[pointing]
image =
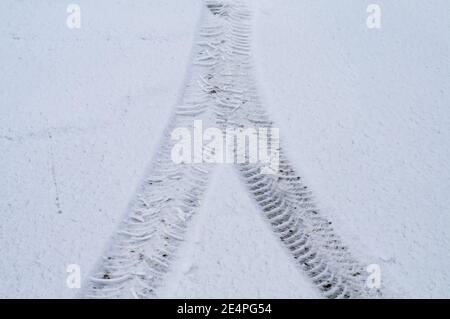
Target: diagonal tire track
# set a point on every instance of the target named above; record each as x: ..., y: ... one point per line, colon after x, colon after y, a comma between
x: 283, y: 198
x: 222, y: 92
x: 142, y: 249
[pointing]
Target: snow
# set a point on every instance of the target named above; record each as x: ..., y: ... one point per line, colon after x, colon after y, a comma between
x: 231, y: 252
x: 104, y: 94
x: 364, y: 117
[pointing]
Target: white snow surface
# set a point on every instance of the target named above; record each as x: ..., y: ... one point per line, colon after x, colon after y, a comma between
x: 364, y: 117
x: 104, y: 94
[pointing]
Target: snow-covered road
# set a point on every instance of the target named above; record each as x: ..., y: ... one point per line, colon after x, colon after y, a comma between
x: 364, y: 120
x: 220, y: 92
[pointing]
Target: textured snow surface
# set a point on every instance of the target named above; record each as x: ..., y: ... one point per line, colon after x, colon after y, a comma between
x: 231, y: 251
x: 103, y: 93
x: 364, y: 117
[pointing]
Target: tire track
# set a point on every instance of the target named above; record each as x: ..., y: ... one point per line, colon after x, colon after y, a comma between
x: 142, y: 249
x: 221, y: 91
x: 286, y: 202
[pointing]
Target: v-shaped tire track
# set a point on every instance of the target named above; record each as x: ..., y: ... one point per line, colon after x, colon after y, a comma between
x: 221, y: 92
